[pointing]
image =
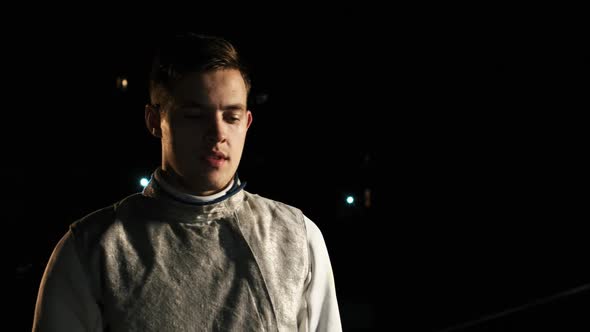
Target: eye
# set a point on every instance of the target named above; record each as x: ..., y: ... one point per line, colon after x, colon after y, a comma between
x: 233, y: 117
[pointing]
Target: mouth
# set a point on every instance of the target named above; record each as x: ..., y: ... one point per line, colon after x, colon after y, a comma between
x: 218, y: 154
x: 216, y: 159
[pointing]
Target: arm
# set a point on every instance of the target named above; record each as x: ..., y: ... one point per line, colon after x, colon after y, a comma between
x: 65, y: 301
x: 319, y: 311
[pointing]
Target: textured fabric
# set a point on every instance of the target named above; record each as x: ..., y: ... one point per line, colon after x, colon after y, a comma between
x: 237, y: 265
x: 318, y: 310
x: 154, y: 263
x: 65, y: 301
x: 282, y: 255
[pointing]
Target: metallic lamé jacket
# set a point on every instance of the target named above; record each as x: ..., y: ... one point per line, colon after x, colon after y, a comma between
x: 157, y: 264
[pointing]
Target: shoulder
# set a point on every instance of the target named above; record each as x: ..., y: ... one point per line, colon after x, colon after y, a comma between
x: 272, y: 206
x: 90, y: 228
x: 313, y: 231
x: 315, y: 238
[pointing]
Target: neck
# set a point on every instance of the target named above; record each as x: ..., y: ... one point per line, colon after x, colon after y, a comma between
x: 170, y: 184
x: 187, y: 187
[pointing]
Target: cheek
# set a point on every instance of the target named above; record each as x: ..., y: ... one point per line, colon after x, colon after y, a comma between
x: 183, y: 134
x: 185, y: 141
x: 238, y: 143
x: 172, y: 133
x: 168, y: 135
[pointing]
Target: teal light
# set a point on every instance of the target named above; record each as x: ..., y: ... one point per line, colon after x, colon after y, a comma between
x: 349, y: 199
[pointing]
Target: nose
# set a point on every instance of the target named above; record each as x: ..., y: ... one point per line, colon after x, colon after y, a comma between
x: 216, y: 131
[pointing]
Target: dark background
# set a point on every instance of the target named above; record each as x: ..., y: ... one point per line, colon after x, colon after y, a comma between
x: 470, y: 135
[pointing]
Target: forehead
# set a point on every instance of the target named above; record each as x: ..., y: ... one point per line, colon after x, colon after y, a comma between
x: 216, y: 83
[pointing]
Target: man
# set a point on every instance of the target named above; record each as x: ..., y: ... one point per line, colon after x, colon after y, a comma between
x: 194, y: 251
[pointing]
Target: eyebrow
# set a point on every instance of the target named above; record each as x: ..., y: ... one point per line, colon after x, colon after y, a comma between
x: 236, y: 106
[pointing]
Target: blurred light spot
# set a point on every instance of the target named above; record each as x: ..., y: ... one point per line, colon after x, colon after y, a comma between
x: 349, y: 199
x: 261, y: 98
x: 367, y: 198
x: 144, y: 182
x: 122, y: 83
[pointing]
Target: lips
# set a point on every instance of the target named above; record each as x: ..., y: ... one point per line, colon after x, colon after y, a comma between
x: 218, y: 154
x: 216, y: 159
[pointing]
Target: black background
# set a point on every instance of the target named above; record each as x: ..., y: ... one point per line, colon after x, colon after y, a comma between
x: 471, y: 135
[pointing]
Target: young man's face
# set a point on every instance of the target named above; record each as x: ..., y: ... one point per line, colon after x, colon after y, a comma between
x: 203, y: 130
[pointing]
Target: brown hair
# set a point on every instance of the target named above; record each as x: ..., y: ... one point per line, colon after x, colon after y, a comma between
x: 189, y: 53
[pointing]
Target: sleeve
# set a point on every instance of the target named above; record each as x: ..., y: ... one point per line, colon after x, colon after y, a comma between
x: 319, y: 311
x: 65, y: 301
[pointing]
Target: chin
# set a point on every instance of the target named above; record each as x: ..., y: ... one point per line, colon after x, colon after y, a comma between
x: 218, y: 182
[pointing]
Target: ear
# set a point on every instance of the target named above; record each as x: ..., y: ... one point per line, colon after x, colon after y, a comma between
x: 152, y: 120
x: 249, y: 118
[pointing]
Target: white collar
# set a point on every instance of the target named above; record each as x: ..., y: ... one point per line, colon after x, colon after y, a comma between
x: 188, y: 197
